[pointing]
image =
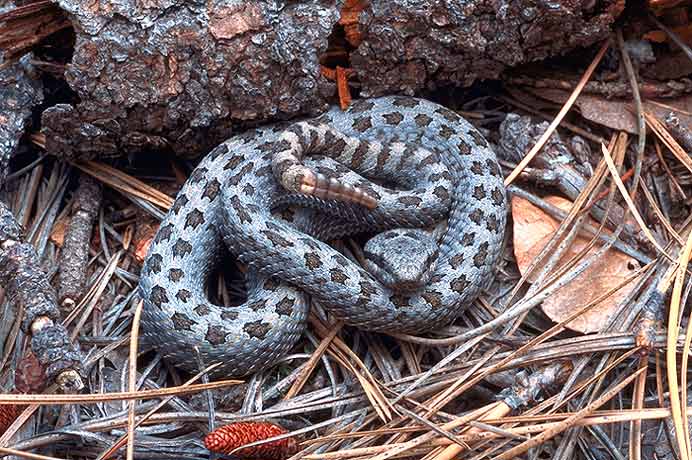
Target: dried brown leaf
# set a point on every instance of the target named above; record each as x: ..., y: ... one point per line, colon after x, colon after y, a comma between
x: 57, y: 234
x: 658, y: 36
x: 615, y: 113
x: 533, y: 228
x: 144, y: 235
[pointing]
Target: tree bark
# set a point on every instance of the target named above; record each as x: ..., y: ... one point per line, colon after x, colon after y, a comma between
x: 184, y: 75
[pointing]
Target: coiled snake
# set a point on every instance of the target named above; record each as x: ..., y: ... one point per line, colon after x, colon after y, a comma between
x: 441, y: 167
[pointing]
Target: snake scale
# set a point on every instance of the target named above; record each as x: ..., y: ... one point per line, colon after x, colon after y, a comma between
x: 430, y: 164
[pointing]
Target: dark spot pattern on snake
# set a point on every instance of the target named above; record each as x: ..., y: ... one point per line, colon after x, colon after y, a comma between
x: 312, y: 260
x: 276, y: 239
x: 464, y: 147
x: 405, y: 102
x: 257, y: 305
x: 242, y: 213
x: 218, y: 151
x: 233, y: 162
x: 498, y: 196
x: 460, y: 284
x: 441, y: 192
x: 181, y: 248
x: 481, y: 255
x: 492, y: 224
x: 229, y: 315
x: 202, y: 310
x: 182, y: 322
x: 479, y: 192
x: 448, y: 115
x: 476, y: 216
x: 183, y: 295
x: 180, y: 203
x: 164, y: 233
x: 235, y: 179
x: 216, y: 335
x: 198, y: 175
x: 194, y: 218
x: 285, y: 306
x: 423, y: 120
x: 158, y: 296
x: 446, y: 132
x: 211, y: 190
x: 338, y: 275
x: 257, y: 329
x: 468, y: 239
x: 393, y: 118
x: 478, y: 139
x: 434, y: 298
x: 154, y: 263
x: 410, y: 200
x: 456, y: 261
x: 477, y: 168
x: 362, y: 124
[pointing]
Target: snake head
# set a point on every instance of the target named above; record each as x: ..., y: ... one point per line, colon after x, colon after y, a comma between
x: 402, y: 259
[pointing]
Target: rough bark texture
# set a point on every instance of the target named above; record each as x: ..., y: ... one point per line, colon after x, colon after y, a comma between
x: 180, y: 74
x: 679, y: 130
x: 412, y: 46
x: 75, y: 250
x: 27, y: 286
x: 19, y: 93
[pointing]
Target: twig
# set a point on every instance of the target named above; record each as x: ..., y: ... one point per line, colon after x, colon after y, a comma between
x: 75, y: 250
x: 568, y: 422
x: 641, y: 125
x: 680, y: 132
x: 673, y: 36
x: 671, y: 361
x: 132, y: 380
x: 119, y: 396
x: 565, y: 108
x: 630, y: 203
x: 28, y: 287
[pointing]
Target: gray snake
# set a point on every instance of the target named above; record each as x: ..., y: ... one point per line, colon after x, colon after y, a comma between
x: 441, y: 166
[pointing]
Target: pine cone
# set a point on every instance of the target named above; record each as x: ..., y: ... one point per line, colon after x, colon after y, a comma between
x: 225, y: 439
x: 8, y: 414
x: 30, y: 376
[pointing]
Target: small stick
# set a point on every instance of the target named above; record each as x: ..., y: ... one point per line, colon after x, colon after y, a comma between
x: 680, y: 131
x: 75, y: 249
x: 27, y: 286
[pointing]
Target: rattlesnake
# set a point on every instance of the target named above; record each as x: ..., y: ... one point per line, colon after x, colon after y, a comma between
x: 230, y: 196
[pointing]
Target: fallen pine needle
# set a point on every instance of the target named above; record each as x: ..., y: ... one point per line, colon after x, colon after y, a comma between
x: 632, y: 207
x: 671, y: 361
x: 568, y: 422
x: 565, y: 108
x: 43, y: 399
x: 132, y: 380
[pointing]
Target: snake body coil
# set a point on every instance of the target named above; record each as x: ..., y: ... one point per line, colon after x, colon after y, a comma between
x: 439, y: 163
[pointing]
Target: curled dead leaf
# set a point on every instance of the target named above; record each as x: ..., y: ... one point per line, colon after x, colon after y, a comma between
x: 57, y: 234
x: 142, y: 239
x: 533, y: 228
x: 615, y: 113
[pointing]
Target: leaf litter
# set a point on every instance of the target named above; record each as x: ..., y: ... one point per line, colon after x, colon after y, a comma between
x: 600, y: 243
